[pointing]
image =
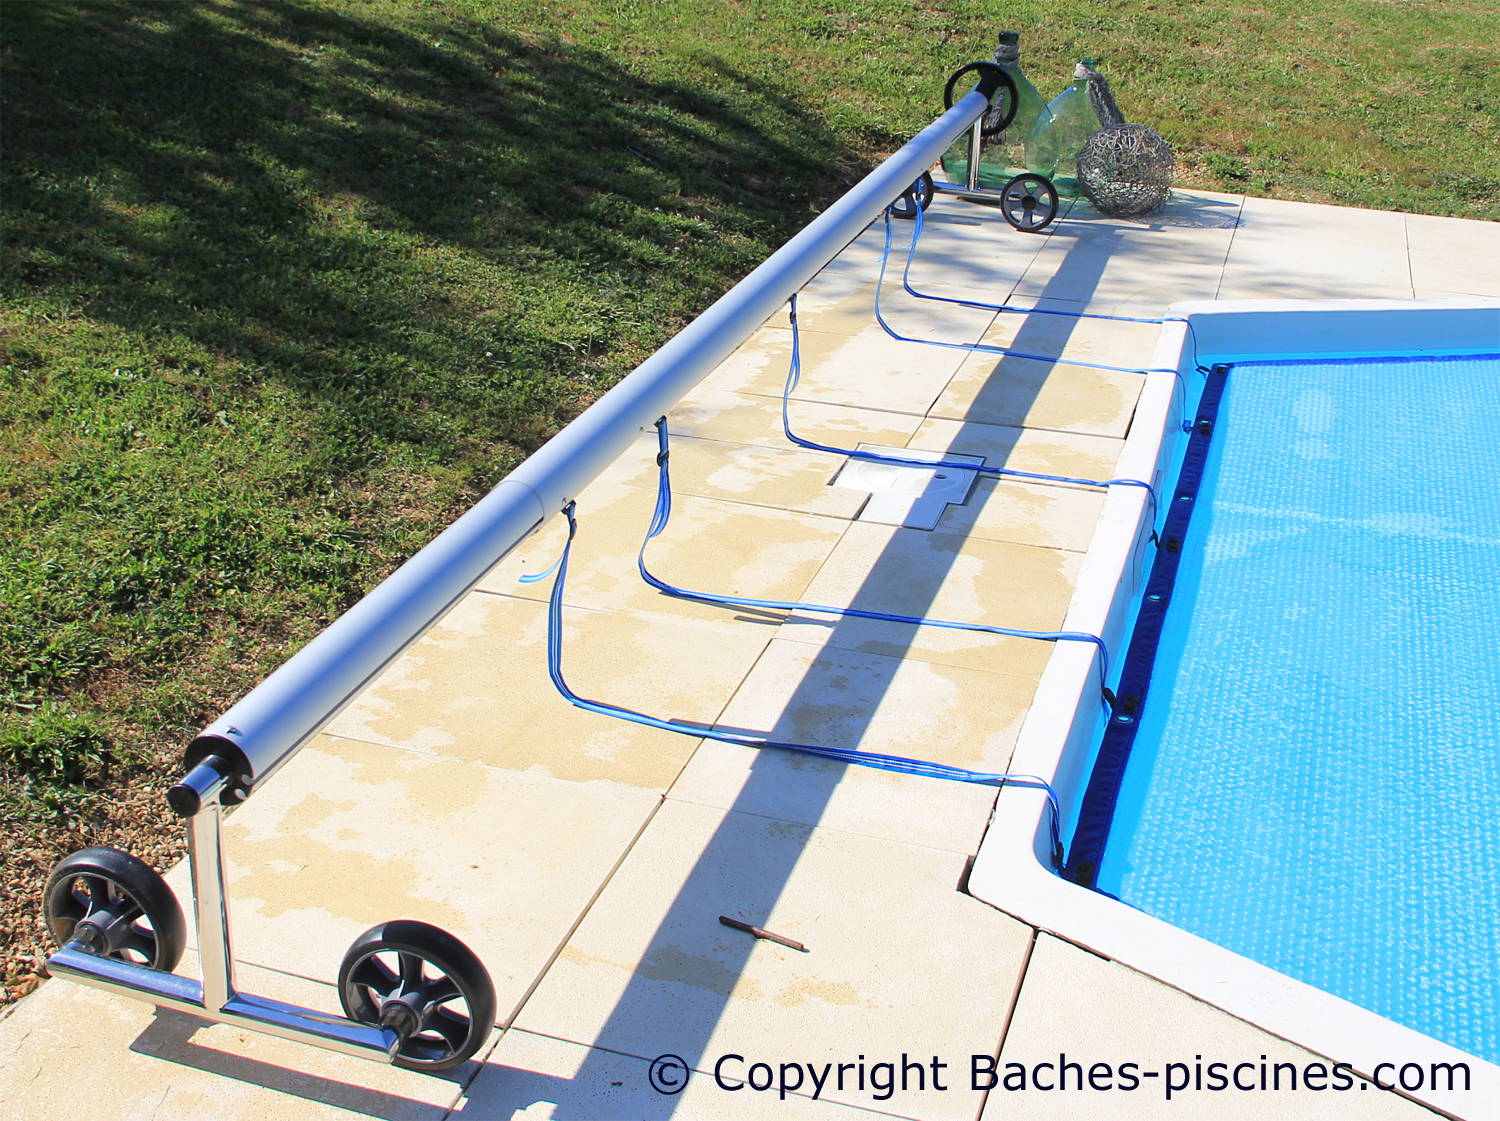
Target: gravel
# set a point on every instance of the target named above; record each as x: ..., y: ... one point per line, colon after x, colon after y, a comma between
x: 128, y: 812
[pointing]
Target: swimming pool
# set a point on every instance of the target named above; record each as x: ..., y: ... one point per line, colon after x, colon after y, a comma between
x: 1314, y: 779
x: 1305, y: 831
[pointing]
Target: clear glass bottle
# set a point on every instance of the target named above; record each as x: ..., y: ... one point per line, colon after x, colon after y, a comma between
x: 1073, y: 122
x: 1029, y: 142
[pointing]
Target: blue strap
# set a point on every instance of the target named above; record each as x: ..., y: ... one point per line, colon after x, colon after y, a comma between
x: 794, y: 376
x: 906, y: 283
x: 986, y: 348
x: 538, y: 577
x: 663, y: 513
x: 896, y: 763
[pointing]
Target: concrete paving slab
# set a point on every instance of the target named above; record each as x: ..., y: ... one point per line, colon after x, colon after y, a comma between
x: 533, y: 1076
x: 72, y: 1051
x: 1136, y: 266
x: 742, y: 418
x: 782, y: 477
x: 1095, y: 1011
x: 942, y: 576
x: 476, y: 688
x: 353, y: 834
x: 868, y: 370
x: 897, y: 962
x: 1107, y: 342
x: 1075, y: 454
x: 853, y: 311
x: 1453, y: 256
x: 1290, y: 250
x: 967, y: 248
x: 1023, y: 393
x: 828, y: 696
x: 1048, y: 515
x: 710, y: 545
x: 934, y: 813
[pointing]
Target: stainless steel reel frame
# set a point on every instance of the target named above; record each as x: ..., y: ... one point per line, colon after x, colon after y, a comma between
x: 1028, y: 201
x: 217, y: 997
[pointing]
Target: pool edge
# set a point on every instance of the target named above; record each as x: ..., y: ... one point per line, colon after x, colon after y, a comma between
x: 1011, y: 870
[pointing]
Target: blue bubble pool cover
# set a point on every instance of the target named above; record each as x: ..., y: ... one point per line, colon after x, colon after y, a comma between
x: 1316, y: 779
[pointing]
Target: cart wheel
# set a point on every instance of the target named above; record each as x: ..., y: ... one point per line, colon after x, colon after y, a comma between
x: 1029, y: 202
x: 425, y: 984
x: 117, y: 906
x: 918, y: 195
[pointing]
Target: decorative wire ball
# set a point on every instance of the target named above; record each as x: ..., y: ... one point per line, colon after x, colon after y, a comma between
x: 1126, y: 170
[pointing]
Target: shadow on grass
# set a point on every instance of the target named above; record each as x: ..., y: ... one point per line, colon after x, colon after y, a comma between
x: 364, y: 211
x: 283, y: 288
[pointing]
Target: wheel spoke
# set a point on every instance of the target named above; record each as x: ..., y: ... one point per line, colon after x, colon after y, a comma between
x: 374, y: 974
x: 442, y: 990
x: 411, y: 971
x: 97, y: 889
x: 141, y: 944
x: 451, y: 1026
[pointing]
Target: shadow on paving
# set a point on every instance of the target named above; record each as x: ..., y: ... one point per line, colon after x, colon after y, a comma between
x: 652, y: 1016
x: 658, y: 1014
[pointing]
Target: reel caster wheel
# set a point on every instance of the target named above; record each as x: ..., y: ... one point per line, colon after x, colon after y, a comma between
x: 424, y: 983
x: 1029, y: 203
x: 916, y: 197
x: 117, y: 906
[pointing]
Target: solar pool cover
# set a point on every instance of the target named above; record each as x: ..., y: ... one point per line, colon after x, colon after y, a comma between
x: 1314, y: 780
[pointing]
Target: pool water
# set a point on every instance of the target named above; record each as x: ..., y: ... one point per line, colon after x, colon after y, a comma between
x: 1315, y: 783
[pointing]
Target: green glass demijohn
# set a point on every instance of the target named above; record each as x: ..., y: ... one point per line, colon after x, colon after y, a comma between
x: 1073, y: 122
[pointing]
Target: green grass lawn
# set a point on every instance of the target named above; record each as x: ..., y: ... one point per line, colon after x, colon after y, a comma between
x: 285, y: 288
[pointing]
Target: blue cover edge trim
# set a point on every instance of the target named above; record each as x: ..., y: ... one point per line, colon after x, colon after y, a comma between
x: 1097, y: 812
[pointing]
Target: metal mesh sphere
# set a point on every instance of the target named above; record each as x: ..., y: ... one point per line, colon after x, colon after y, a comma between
x: 1126, y: 170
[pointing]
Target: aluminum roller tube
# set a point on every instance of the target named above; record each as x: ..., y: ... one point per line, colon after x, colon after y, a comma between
x: 266, y: 728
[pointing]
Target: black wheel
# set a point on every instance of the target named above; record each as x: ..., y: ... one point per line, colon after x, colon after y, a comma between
x: 917, y: 196
x: 425, y: 984
x: 1029, y: 202
x: 1003, y: 111
x: 117, y: 906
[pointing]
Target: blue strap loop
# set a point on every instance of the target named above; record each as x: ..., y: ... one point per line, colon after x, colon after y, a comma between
x: 986, y: 348
x: 794, y: 376
x: 894, y: 763
x: 906, y: 283
x: 663, y: 514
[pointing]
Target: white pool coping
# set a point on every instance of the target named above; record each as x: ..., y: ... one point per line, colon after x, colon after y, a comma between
x: 1012, y: 870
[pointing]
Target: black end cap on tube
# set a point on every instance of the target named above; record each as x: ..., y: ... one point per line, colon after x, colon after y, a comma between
x: 238, y: 773
x: 186, y: 798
